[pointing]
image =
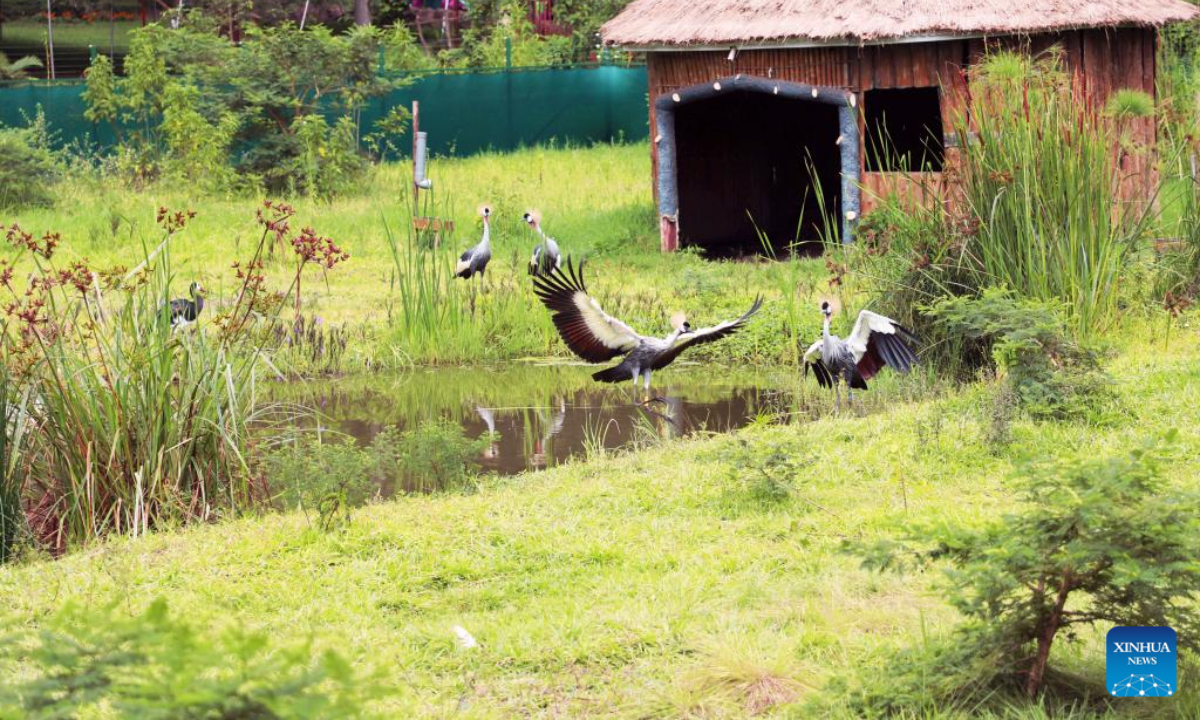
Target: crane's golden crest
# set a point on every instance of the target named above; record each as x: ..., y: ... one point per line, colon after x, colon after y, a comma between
x: 485, y: 210
x: 835, y: 305
x: 678, y: 319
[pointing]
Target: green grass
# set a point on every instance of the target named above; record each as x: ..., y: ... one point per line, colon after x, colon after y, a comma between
x: 596, y: 201
x: 69, y: 33
x: 653, y: 584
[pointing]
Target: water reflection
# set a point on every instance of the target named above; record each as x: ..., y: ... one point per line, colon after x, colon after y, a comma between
x: 537, y: 416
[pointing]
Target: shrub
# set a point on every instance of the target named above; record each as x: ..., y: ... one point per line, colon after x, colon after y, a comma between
x: 435, y: 455
x: 27, y: 166
x: 767, y: 470
x: 1178, y: 268
x: 190, y: 96
x: 1050, y: 375
x: 89, y: 663
x: 197, y: 150
x: 333, y: 477
x: 489, y: 44
x: 326, y: 477
x: 1093, y: 541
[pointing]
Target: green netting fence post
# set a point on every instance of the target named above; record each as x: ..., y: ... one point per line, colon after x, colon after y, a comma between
x: 508, y: 95
x: 91, y: 55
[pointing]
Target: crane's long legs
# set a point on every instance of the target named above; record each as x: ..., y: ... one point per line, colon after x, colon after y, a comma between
x: 656, y: 398
x: 837, y: 397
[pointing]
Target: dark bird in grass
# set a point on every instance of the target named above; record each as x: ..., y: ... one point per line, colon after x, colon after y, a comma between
x: 597, y: 337
x: 475, y: 260
x: 874, y: 342
x: 185, y: 311
x: 545, y: 254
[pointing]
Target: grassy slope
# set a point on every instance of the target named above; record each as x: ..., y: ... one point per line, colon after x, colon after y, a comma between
x: 649, y: 584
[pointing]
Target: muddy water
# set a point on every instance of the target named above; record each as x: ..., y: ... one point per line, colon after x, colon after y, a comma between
x: 542, y: 414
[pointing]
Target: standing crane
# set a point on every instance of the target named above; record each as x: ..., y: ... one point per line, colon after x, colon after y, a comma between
x: 474, y: 261
x: 874, y: 342
x: 545, y: 253
x: 596, y: 336
x: 184, y: 311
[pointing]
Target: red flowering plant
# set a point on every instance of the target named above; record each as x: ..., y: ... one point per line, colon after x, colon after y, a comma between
x: 254, y: 299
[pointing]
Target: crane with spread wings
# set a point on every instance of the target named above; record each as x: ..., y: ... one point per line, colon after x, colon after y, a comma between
x: 597, y: 337
x: 875, y: 342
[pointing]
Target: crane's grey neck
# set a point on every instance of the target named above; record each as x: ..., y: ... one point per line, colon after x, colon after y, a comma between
x: 487, y: 233
x: 827, y: 345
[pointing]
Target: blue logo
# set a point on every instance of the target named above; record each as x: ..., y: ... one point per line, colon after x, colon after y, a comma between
x: 1141, y: 662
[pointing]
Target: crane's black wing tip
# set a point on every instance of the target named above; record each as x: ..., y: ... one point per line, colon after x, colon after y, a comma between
x: 821, y: 372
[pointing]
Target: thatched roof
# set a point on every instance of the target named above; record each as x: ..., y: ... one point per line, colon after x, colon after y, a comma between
x: 653, y: 23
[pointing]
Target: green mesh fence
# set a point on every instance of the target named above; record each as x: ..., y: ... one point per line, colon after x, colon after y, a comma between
x: 464, y: 113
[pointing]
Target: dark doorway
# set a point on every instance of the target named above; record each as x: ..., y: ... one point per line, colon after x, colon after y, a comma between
x: 904, y: 130
x: 747, y: 160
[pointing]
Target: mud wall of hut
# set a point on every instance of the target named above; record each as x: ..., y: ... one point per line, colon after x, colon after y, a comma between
x: 1100, y: 61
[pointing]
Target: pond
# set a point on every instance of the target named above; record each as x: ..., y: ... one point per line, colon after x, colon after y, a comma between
x: 539, y: 414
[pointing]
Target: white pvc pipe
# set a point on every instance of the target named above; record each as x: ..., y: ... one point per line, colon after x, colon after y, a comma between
x: 422, y: 159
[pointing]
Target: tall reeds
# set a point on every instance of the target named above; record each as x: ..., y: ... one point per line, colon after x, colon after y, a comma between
x: 129, y: 422
x: 1041, y: 186
x: 12, y: 518
x: 437, y: 318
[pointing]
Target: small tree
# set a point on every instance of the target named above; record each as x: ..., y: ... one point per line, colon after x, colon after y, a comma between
x: 1094, y: 541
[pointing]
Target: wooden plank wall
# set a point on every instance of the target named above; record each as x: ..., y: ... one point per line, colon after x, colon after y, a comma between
x: 908, y: 66
x: 1100, y: 61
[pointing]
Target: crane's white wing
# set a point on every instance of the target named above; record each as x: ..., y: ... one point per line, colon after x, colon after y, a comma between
x: 706, y: 335
x: 813, y: 353
x: 591, y: 333
x: 877, y: 341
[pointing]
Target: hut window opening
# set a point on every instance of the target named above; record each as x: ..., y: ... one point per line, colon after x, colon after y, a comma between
x: 904, y: 130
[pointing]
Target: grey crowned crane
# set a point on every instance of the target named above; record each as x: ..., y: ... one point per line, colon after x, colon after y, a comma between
x: 597, y: 337
x: 475, y: 260
x: 874, y: 342
x: 184, y: 311
x: 545, y: 253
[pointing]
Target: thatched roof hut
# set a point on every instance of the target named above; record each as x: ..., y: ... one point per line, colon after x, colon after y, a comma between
x: 655, y: 24
x: 743, y: 92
